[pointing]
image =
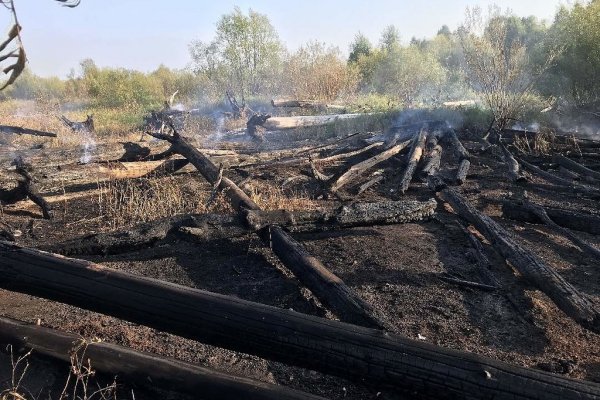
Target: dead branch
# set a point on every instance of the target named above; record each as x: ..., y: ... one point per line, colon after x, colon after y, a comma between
x: 514, y: 170
x: 560, y: 181
x: 575, y: 166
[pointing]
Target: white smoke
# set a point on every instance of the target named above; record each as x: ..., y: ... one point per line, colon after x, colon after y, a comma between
x: 89, y: 146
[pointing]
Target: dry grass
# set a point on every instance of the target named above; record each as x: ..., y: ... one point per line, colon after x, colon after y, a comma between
x: 80, y: 383
x: 540, y: 145
x: 271, y: 197
x: 129, y: 201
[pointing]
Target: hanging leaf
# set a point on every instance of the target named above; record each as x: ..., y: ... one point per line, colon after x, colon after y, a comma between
x: 70, y: 3
x: 15, y: 69
x: 13, y: 33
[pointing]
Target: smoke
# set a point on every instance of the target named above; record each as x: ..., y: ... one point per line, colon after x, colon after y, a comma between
x: 89, y: 146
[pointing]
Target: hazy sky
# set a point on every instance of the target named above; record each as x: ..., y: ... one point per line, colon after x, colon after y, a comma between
x: 142, y: 34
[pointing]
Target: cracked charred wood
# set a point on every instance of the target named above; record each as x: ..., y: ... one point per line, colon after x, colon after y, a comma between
x: 85, y: 126
x: 346, y: 216
x: 332, y: 347
x: 371, y: 182
x: 432, y: 161
x: 140, y: 367
x: 547, y: 176
x: 17, y: 130
x: 570, y: 300
x: 344, y: 302
x: 26, y: 188
x: 255, y: 124
x: 514, y: 170
x: 568, y: 219
x: 575, y: 166
x: 418, y: 146
x: 359, y: 169
x: 464, y: 158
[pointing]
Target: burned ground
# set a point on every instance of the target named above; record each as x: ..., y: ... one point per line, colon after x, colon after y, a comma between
x: 397, y: 269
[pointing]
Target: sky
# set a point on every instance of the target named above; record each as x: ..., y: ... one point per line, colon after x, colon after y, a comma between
x: 142, y: 34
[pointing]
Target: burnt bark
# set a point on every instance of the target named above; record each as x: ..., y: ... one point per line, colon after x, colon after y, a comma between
x: 17, y: 130
x: 332, y: 347
x: 142, y: 368
x: 575, y: 166
x: 418, y: 146
x: 464, y: 158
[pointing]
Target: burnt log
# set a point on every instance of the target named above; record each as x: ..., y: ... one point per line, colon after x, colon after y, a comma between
x: 140, y: 367
x: 547, y: 176
x: 239, y: 111
x: 432, y: 161
x: 17, y: 130
x: 346, y: 216
x: 310, y: 104
x: 464, y: 158
x: 566, y: 218
x: 575, y: 166
x: 514, y: 170
x: 332, y: 347
x: 360, y: 168
x: 570, y: 300
x: 418, y: 146
x: 309, y: 271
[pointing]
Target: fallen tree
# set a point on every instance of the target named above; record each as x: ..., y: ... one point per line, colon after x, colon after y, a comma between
x: 575, y: 166
x: 311, y: 104
x: 572, y: 302
x: 332, y: 347
x: 17, y: 130
x: 547, y: 176
x: 327, y: 287
x: 142, y: 368
x: 280, y: 123
x: 212, y: 227
x: 565, y: 218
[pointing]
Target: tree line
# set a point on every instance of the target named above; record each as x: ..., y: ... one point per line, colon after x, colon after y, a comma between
x: 495, y: 56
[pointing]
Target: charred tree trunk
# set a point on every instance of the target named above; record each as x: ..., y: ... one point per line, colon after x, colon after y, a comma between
x: 565, y: 218
x: 560, y: 181
x: 574, y: 303
x: 464, y: 158
x: 17, y: 130
x: 416, y: 152
x: 514, y: 170
x: 357, y: 170
x: 26, y: 188
x: 332, y: 347
x: 139, y: 367
x: 575, y: 166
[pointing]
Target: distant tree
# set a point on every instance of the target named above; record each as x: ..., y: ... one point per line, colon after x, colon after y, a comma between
x: 498, y: 65
x: 245, y: 55
x: 577, y: 69
x: 316, y: 71
x: 360, y: 47
x: 390, y: 38
x: 444, y: 30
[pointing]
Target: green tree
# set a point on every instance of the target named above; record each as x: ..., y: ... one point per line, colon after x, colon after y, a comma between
x: 360, y: 47
x: 245, y: 54
x: 577, y: 69
x: 498, y: 64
